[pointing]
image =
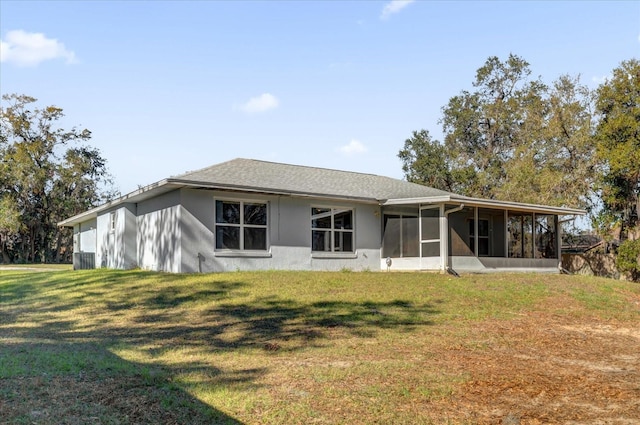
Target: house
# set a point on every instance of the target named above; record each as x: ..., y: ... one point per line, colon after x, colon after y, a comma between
x: 247, y: 214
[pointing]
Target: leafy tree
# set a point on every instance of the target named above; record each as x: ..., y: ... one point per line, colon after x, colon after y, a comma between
x: 425, y: 161
x: 618, y: 146
x: 39, y: 186
x: 512, y: 138
x: 554, y: 161
x: 10, y: 225
x: 483, y: 128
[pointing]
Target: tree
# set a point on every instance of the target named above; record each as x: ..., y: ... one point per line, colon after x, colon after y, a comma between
x: 554, y: 160
x: 9, y: 225
x: 628, y: 258
x: 618, y: 147
x: 513, y: 138
x: 425, y: 161
x: 38, y: 185
x: 483, y: 128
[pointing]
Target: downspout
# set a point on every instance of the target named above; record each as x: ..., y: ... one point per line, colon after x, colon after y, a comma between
x: 446, y: 239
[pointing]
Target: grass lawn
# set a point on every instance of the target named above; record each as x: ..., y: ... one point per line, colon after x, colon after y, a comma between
x: 125, y: 347
x: 36, y: 267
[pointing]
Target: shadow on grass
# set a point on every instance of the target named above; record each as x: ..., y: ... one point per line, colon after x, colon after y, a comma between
x: 81, y: 383
x: 214, y: 317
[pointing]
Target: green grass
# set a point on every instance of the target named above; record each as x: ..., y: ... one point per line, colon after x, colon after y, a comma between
x: 36, y: 266
x: 264, y: 347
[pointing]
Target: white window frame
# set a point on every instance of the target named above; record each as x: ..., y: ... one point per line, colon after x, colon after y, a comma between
x: 112, y: 221
x: 426, y: 241
x: 333, y: 230
x: 241, y: 226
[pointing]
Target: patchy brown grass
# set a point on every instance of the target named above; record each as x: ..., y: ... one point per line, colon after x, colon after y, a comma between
x: 298, y: 347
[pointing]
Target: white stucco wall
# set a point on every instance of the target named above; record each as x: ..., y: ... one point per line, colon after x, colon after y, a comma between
x: 84, y: 236
x: 105, y: 242
x: 116, y: 248
x: 159, y: 233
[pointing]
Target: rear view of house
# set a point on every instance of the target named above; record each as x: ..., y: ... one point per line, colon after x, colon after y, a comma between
x: 254, y: 215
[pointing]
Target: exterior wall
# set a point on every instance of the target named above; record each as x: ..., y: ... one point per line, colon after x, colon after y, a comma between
x: 116, y: 248
x: 105, y: 242
x: 128, y: 238
x: 520, y: 263
x: 158, y: 234
x: 175, y: 232
x: 289, y: 233
x: 84, y: 236
x: 411, y: 263
x: 84, y: 245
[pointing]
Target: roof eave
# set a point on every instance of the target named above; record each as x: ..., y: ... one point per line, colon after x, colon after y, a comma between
x: 136, y: 196
x: 173, y: 183
x: 492, y: 203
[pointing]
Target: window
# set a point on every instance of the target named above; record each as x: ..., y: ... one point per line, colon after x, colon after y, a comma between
x: 332, y: 229
x: 483, y: 236
x: 520, y: 231
x: 546, y: 236
x: 430, y: 234
x: 241, y: 225
x: 112, y: 221
x: 400, y: 238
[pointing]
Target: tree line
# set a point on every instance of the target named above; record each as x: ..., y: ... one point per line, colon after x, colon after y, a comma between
x: 47, y: 174
x: 514, y: 137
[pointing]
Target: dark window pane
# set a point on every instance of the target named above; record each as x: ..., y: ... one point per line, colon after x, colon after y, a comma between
x: 391, y: 237
x: 483, y: 247
x: 410, y: 236
x: 546, y: 236
x: 227, y: 237
x: 343, y: 241
x: 431, y: 249
x: 483, y: 227
x: 321, y: 240
x: 527, y: 230
x: 255, y: 238
x: 430, y: 224
x: 255, y: 214
x: 227, y: 212
x: 460, y: 223
x: 514, y: 228
x: 343, y: 219
x: 321, y: 218
x: 520, y: 227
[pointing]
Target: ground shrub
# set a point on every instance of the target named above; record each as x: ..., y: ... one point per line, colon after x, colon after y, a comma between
x: 628, y: 260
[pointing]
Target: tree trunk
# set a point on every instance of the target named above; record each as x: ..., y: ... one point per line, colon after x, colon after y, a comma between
x: 3, y: 248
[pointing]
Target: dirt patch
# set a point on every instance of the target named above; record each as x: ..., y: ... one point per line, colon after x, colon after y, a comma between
x: 542, y: 370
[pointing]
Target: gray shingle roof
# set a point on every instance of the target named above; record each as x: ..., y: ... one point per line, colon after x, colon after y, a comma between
x: 295, y: 179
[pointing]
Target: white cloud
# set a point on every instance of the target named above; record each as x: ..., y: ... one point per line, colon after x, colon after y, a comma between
x: 262, y: 103
x: 30, y: 48
x: 353, y: 147
x: 394, y: 6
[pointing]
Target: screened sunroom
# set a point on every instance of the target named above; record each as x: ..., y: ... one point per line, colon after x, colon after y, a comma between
x: 468, y: 234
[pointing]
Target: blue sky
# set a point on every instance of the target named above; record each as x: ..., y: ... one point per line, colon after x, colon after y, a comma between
x: 167, y: 87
